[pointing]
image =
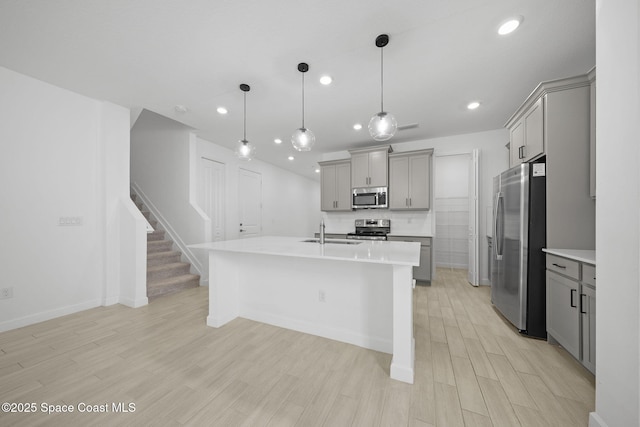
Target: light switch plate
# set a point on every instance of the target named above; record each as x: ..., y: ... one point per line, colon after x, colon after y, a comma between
x: 6, y: 293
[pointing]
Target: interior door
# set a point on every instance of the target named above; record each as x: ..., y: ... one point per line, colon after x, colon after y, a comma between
x: 473, y: 274
x: 250, y: 200
x: 212, y: 175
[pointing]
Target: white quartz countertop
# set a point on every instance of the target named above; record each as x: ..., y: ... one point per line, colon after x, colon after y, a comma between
x: 581, y: 255
x: 380, y: 252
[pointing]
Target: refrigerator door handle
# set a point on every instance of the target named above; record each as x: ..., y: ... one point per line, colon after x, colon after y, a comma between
x: 499, y: 226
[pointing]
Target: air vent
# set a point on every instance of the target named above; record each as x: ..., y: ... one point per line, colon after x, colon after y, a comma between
x: 409, y: 126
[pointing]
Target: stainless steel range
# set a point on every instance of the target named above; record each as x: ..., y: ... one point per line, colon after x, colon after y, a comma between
x: 371, y: 229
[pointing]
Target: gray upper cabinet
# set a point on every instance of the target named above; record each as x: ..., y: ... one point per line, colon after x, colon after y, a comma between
x: 369, y: 167
x: 555, y: 121
x: 527, y: 135
x: 335, y: 185
x: 410, y: 180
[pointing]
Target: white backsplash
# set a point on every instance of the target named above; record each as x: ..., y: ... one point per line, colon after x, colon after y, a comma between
x: 418, y: 223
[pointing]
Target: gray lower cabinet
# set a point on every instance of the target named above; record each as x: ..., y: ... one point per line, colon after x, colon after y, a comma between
x: 490, y: 254
x: 588, y: 316
x: 422, y: 273
x: 562, y: 312
x: 571, y: 308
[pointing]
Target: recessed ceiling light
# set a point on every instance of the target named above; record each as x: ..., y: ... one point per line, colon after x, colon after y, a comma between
x: 510, y: 25
x: 473, y: 105
x: 221, y: 110
x: 326, y: 80
x: 317, y: 170
x: 181, y: 109
x: 357, y: 126
x: 290, y: 157
x: 277, y: 141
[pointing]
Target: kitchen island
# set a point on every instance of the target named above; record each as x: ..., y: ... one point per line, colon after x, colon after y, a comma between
x: 358, y: 292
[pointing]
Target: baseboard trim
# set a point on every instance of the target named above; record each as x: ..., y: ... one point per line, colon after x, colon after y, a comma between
x: 48, y: 315
x: 342, y: 335
x: 109, y: 301
x: 134, y: 303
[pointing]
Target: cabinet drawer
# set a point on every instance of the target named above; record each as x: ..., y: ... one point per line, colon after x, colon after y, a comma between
x: 589, y: 274
x: 563, y: 266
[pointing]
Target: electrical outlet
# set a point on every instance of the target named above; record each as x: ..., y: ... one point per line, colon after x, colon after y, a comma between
x: 321, y: 296
x: 70, y: 220
x: 6, y: 293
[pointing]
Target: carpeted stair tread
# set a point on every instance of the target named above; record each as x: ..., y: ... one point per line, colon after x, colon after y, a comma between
x: 159, y: 246
x: 160, y: 258
x: 155, y: 235
x: 172, y: 285
x: 164, y: 271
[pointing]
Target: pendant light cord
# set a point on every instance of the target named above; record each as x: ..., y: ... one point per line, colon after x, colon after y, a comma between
x: 303, y: 100
x: 245, y: 118
x: 381, y: 80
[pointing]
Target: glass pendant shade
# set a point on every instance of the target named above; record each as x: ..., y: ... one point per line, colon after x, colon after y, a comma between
x: 303, y: 139
x: 245, y: 150
x: 383, y: 126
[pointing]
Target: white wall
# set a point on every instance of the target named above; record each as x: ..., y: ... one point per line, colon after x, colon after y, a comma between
x: 165, y: 162
x: 290, y: 202
x: 617, y: 214
x: 161, y: 171
x: 494, y: 158
x: 59, y: 158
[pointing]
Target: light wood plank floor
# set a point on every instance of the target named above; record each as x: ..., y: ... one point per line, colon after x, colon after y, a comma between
x: 472, y: 369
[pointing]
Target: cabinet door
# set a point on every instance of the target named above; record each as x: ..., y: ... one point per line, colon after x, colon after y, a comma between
x: 588, y: 323
x: 360, y: 170
x: 327, y: 188
x: 516, y: 142
x: 562, y: 312
x: 343, y: 187
x: 378, y: 168
x: 399, y: 183
x: 534, y: 131
x: 419, y: 185
x: 423, y: 271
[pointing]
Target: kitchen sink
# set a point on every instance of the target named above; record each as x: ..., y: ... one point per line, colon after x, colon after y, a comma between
x: 331, y: 242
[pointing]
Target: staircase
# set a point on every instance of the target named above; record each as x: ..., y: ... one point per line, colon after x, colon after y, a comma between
x: 166, y: 273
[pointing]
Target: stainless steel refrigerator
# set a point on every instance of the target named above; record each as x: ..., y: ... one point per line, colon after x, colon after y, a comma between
x: 518, y: 264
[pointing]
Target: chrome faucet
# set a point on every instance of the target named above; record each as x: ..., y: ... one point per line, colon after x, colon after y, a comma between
x: 322, y: 232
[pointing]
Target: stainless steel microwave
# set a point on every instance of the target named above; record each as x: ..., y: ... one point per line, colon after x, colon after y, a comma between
x: 369, y: 198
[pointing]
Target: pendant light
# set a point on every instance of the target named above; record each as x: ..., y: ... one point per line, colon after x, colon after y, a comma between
x: 383, y: 125
x: 244, y: 149
x: 303, y: 139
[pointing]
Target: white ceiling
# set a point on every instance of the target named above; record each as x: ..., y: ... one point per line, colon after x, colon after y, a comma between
x: 155, y: 54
